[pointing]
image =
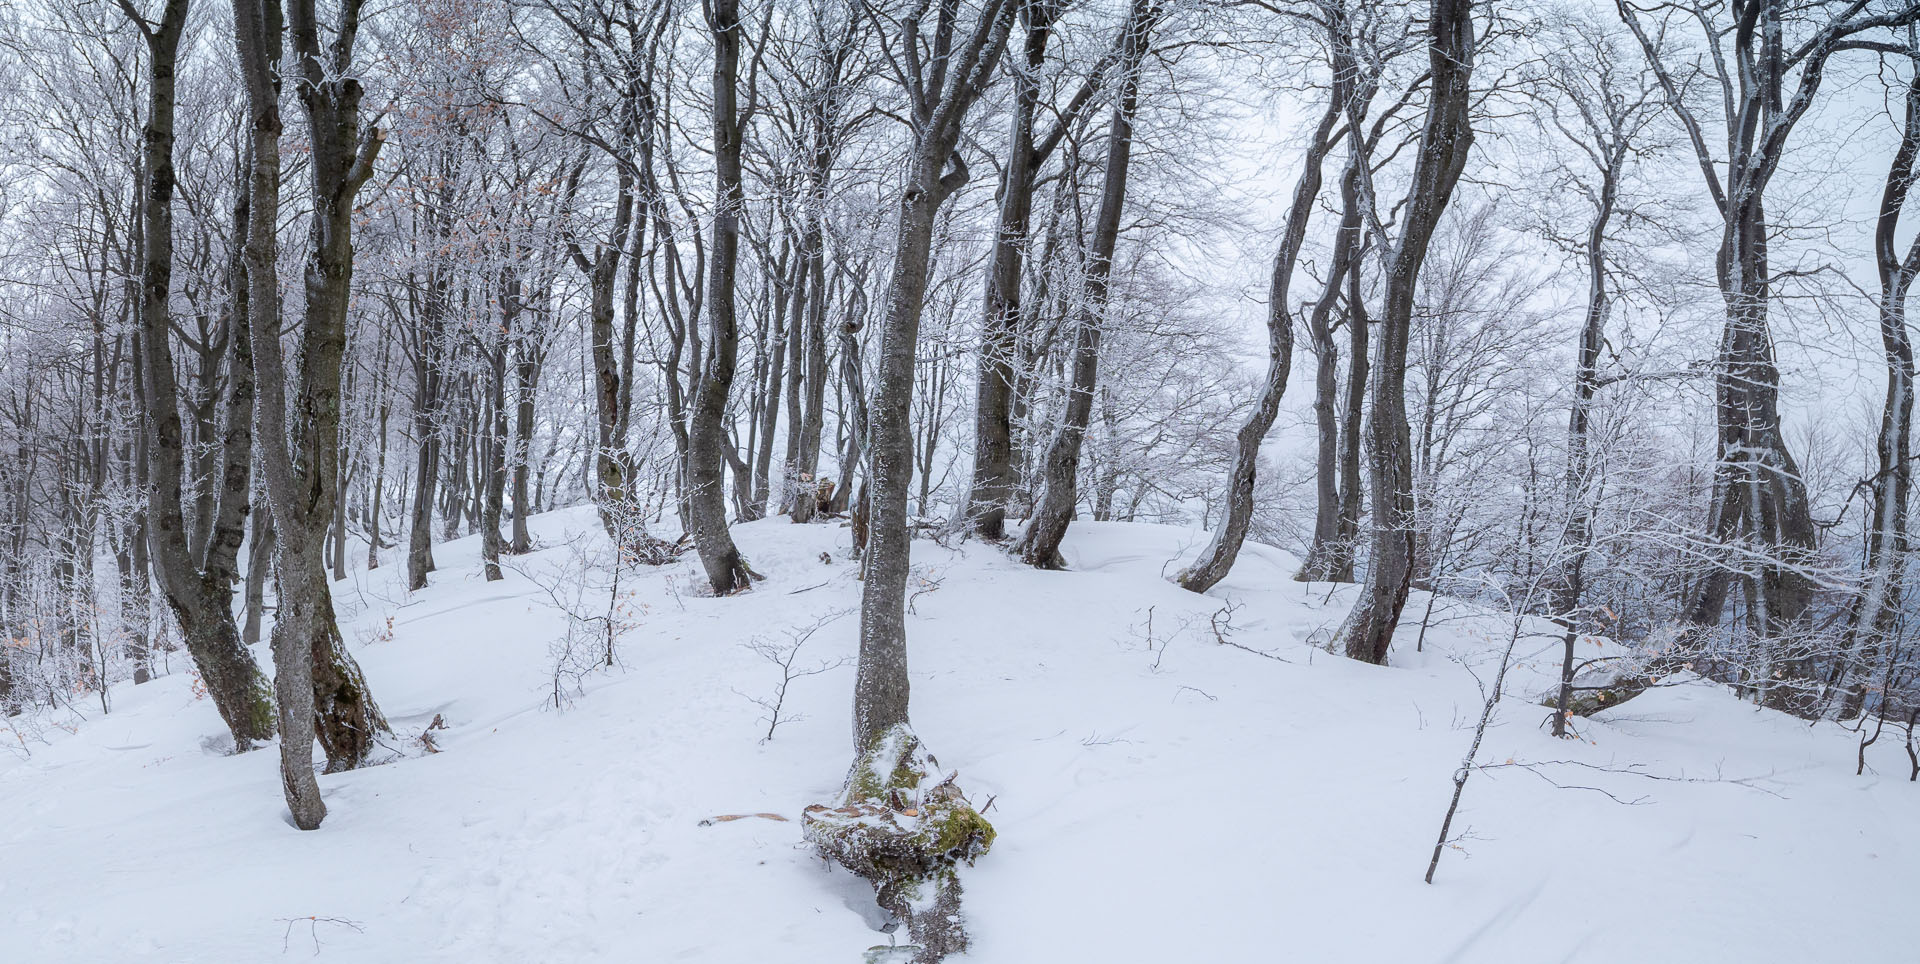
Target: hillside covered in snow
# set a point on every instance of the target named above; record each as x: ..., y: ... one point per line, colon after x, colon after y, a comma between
x: 1173, y: 777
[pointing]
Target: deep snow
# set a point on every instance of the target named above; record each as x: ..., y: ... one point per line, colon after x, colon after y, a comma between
x: 1172, y: 800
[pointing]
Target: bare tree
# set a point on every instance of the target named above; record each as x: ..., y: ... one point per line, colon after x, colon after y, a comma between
x: 1766, y: 60
x: 1216, y: 560
x: 198, y: 588
x: 1039, y: 544
x: 1445, y: 139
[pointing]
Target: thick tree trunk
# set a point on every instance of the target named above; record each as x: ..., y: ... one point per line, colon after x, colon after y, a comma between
x: 1445, y: 139
x: 200, y: 597
x: 315, y: 681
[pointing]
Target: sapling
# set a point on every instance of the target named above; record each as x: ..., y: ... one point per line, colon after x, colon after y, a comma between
x: 785, y: 654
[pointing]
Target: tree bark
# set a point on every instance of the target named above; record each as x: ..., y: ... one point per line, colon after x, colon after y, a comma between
x: 880, y: 685
x: 1217, y: 559
x: 1445, y: 138
x: 1875, y: 615
x: 1039, y: 545
x: 316, y: 682
x: 706, y: 441
x: 198, y: 594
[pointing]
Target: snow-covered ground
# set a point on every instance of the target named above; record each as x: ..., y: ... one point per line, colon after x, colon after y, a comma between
x: 1159, y: 797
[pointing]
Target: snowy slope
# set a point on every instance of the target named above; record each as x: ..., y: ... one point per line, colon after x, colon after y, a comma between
x: 1170, y: 800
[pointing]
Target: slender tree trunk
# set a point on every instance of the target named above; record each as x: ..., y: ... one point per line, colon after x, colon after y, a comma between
x: 1568, y: 586
x: 1330, y: 558
x: 1217, y: 559
x: 1040, y: 544
x: 426, y: 468
x: 526, y: 378
x: 1876, y: 613
x: 707, y: 445
x: 1445, y: 139
x: 259, y: 566
x: 880, y: 684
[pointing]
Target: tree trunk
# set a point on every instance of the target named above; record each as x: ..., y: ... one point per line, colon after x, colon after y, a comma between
x: 1217, y: 559
x: 1330, y: 558
x: 994, y: 474
x: 199, y: 596
x: 316, y: 681
x: 706, y: 441
x: 1875, y: 615
x: 880, y: 684
x: 1040, y: 544
x: 1569, y: 584
x: 1445, y: 139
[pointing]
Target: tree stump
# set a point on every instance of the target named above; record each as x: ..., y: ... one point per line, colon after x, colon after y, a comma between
x: 906, y: 828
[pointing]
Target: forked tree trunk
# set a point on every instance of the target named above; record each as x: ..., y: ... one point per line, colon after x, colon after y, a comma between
x: 200, y: 595
x: 316, y: 682
x: 880, y: 684
x: 996, y: 469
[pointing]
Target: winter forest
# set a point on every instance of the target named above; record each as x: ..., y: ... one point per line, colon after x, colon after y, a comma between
x: 519, y: 480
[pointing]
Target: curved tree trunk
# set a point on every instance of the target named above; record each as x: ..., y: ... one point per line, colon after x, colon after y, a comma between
x: 1445, y: 138
x: 1217, y: 559
x: 200, y: 595
x: 1875, y: 615
x: 1039, y: 545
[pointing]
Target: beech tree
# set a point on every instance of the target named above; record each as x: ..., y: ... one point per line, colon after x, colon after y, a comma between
x: 1445, y: 139
x: 1765, y: 60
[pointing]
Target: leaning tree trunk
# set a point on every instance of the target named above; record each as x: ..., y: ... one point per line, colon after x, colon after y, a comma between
x: 1040, y: 544
x: 1445, y: 138
x: 199, y: 593
x: 1217, y: 559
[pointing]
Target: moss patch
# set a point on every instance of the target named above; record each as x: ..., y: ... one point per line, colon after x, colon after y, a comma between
x: 905, y: 827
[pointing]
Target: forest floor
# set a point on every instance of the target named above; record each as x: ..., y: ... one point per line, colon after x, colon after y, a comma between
x: 1159, y: 796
